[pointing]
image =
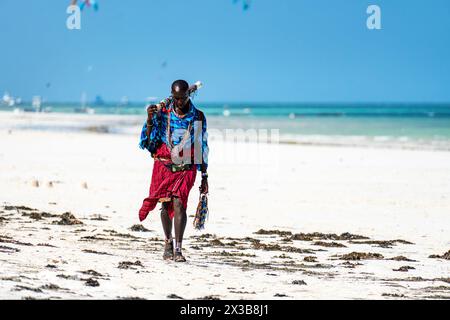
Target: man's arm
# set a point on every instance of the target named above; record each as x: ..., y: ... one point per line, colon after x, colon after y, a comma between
x: 205, y: 152
x: 147, y: 128
x: 151, y: 109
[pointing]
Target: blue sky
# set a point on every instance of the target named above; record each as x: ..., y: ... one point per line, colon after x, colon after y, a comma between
x: 278, y: 50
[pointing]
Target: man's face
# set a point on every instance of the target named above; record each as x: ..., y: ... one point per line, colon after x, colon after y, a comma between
x: 180, y: 97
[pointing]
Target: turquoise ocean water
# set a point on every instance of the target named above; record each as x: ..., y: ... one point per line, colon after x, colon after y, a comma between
x: 403, y: 125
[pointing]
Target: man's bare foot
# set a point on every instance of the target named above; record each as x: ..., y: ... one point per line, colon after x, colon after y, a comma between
x: 168, y: 250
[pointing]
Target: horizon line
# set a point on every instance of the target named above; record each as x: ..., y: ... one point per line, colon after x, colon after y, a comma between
x: 143, y: 102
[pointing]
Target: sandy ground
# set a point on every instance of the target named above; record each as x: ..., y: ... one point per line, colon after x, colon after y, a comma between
x: 330, y: 222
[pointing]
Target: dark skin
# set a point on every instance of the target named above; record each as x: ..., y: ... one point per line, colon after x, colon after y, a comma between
x: 181, y: 103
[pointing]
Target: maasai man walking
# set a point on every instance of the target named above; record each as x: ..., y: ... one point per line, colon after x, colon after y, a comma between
x: 176, y: 137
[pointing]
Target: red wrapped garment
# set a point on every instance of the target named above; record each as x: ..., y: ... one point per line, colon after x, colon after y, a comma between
x: 166, y: 184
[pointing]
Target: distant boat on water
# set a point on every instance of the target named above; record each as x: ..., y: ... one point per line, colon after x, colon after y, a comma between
x: 37, y: 103
x: 9, y: 100
x: 15, y: 103
x: 83, y: 108
x: 36, y: 106
x: 124, y: 101
x: 99, y: 101
x: 151, y: 99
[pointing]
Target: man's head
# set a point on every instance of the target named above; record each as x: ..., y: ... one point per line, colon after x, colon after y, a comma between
x: 180, y: 93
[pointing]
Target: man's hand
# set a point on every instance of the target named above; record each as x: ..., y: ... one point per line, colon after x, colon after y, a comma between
x: 204, y: 186
x: 151, y: 109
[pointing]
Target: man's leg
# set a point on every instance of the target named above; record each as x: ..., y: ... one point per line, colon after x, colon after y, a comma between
x: 180, y: 226
x: 167, y: 227
x: 166, y: 221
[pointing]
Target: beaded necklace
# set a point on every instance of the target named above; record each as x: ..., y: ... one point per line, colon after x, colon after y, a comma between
x: 183, y: 141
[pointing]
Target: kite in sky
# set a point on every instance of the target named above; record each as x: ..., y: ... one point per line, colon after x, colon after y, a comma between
x: 245, y: 4
x: 89, y: 3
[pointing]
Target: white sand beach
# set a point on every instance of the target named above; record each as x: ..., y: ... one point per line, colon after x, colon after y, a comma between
x: 319, y: 205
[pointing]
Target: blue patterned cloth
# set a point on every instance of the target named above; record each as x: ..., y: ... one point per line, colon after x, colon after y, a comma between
x: 178, y: 127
